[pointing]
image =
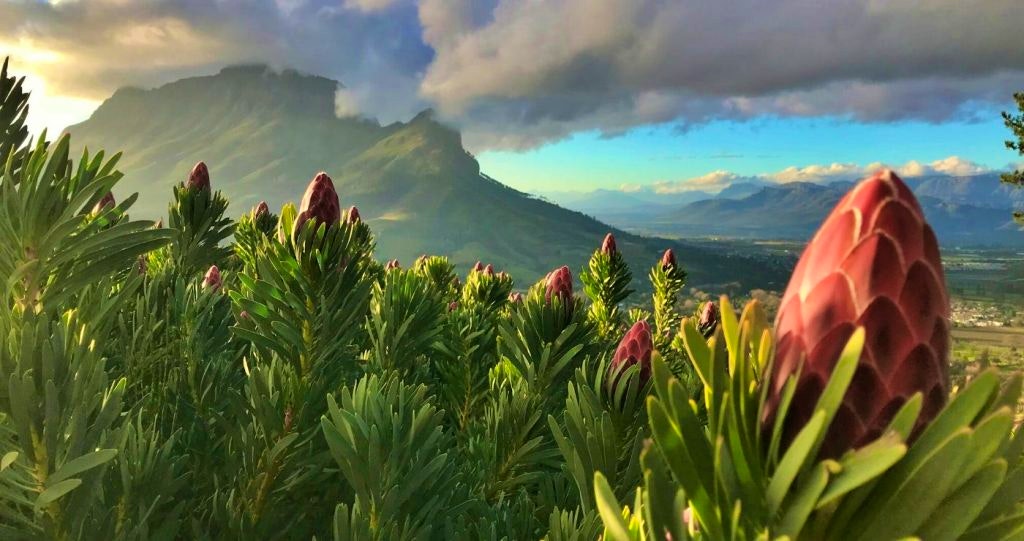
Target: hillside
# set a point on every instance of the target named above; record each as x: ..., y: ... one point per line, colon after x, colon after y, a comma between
x: 795, y: 210
x: 265, y: 134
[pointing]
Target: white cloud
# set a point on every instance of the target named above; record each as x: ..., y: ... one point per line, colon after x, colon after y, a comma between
x: 346, y: 104
x: 714, y: 181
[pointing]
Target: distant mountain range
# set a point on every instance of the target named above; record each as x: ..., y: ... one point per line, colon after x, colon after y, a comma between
x: 264, y: 134
x: 964, y: 211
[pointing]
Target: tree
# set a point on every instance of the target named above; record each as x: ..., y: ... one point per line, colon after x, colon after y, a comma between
x: 1015, y: 123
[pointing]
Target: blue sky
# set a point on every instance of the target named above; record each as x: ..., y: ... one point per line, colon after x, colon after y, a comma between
x: 584, y: 94
x: 663, y: 152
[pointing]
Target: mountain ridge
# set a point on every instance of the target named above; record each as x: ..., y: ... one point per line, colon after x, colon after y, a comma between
x: 265, y: 133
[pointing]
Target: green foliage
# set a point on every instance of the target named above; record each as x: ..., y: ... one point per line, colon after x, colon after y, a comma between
x: 314, y: 394
x: 1015, y: 123
x: 606, y: 282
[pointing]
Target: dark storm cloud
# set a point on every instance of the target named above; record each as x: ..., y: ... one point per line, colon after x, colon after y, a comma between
x: 516, y: 74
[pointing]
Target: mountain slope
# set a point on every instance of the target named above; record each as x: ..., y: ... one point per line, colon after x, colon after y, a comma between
x: 795, y: 210
x: 265, y: 134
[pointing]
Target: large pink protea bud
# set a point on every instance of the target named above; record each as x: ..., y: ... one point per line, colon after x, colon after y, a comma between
x: 559, y: 284
x: 873, y: 263
x: 212, y: 280
x: 260, y: 210
x: 198, y: 178
x: 489, y: 270
x: 478, y: 267
x: 635, y: 348
x: 104, y: 204
x: 608, y: 246
x: 668, y: 260
x: 319, y: 203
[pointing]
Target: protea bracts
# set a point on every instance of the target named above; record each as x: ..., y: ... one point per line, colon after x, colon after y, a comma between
x: 352, y: 216
x: 106, y: 203
x: 260, y: 210
x: 319, y: 203
x: 392, y: 265
x: 608, y: 246
x: 212, y: 279
x: 708, y: 320
x: 478, y: 267
x: 874, y: 263
x: 198, y: 178
x: 559, y: 284
x: 668, y: 260
x: 515, y: 297
x: 489, y: 270
x: 636, y: 347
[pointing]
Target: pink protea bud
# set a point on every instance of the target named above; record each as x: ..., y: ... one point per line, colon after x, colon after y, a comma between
x: 478, y: 267
x: 608, y: 246
x: 260, y: 210
x: 198, y: 178
x: 515, y: 297
x: 668, y: 260
x: 352, y: 216
x: 636, y: 347
x: 874, y: 263
x: 106, y: 203
x: 559, y: 284
x: 708, y: 321
x: 243, y: 315
x: 489, y: 270
x: 452, y: 306
x: 392, y: 265
x: 211, y: 279
x: 319, y: 203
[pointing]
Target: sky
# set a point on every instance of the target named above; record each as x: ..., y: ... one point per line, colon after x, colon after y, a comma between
x: 554, y: 95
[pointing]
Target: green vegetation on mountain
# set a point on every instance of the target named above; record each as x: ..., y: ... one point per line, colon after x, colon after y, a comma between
x: 265, y: 134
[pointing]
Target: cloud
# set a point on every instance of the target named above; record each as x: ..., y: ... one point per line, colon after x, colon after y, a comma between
x: 514, y: 74
x: 346, y: 103
x: 716, y: 181
x: 94, y: 47
x: 541, y: 70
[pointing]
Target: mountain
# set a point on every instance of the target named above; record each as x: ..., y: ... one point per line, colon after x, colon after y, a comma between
x: 795, y: 210
x: 264, y: 134
x: 983, y: 190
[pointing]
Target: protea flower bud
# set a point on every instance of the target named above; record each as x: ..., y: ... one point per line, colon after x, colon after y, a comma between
x: 319, y: 203
x: 478, y: 267
x: 392, y: 265
x: 212, y: 279
x: 452, y: 306
x: 198, y: 178
x: 489, y: 270
x: 608, y: 246
x: 515, y: 297
x: 668, y: 260
x: 260, y: 210
x: 873, y: 263
x: 352, y: 216
x: 636, y: 347
x: 708, y: 321
x: 244, y: 314
x: 106, y: 203
x: 559, y: 284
